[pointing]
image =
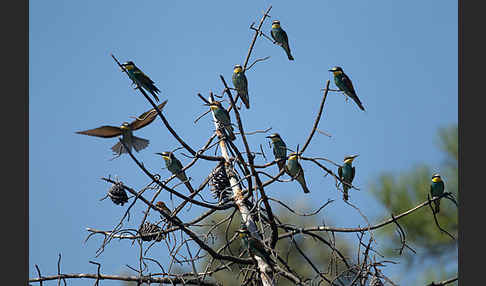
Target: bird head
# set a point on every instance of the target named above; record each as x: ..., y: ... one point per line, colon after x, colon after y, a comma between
x: 166, y: 155
x: 274, y: 137
x: 349, y: 159
x: 336, y: 70
x: 436, y: 178
x: 275, y: 24
x: 125, y: 126
x: 129, y: 65
x: 214, y: 105
x: 243, y: 232
x: 237, y: 69
x: 293, y: 156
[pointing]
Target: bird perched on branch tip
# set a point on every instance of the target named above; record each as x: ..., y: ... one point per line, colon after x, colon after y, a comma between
x: 344, y: 84
x: 280, y: 36
x: 346, y: 174
x: 241, y: 84
x: 142, y: 79
x: 436, y: 189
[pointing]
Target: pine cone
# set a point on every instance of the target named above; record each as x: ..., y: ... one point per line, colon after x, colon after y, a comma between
x: 147, y: 228
x: 117, y: 194
x: 219, y: 183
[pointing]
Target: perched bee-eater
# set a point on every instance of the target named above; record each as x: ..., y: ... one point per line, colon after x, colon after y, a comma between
x: 294, y: 170
x: 223, y: 117
x: 161, y: 205
x: 126, y: 131
x: 279, y: 36
x: 175, y: 167
x: 241, y: 84
x: 343, y: 82
x: 436, y: 189
x: 346, y: 174
x: 142, y: 79
x: 279, y: 150
x: 254, y: 246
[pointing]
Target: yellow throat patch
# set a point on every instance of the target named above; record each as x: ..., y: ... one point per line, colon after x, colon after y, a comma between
x: 350, y: 160
x: 436, y: 179
x: 237, y: 70
x: 129, y: 67
x: 275, y: 26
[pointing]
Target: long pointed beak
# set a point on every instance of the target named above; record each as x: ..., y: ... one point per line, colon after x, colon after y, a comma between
x: 159, y: 154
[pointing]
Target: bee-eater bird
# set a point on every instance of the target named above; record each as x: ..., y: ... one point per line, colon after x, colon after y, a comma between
x: 279, y: 36
x: 253, y: 245
x: 279, y: 150
x: 126, y: 131
x: 223, y: 117
x: 436, y: 189
x: 142, y: 79
x: 294, y: 170
x: 241, y: 84
x: 175, y: 167
x: 344, y: 84
x: 161, y: 205
x: 346, y: 174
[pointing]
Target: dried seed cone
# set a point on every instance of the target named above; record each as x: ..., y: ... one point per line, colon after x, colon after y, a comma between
x: 117, y: 194
x: 147, y: 228
x: 219, y: 183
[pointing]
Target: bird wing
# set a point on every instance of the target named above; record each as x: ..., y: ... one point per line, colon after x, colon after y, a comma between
x: 103, y: 131
x: 347, y: 82
x: 284, y: 35
x: 340, y: 172
x: 146, y: 118
x: 143, y: 77
x: 245, y: 82
x: 352, y: 173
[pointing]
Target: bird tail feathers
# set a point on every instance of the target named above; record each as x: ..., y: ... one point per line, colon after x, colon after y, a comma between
x: 139, y: 143
x: 356, y: 99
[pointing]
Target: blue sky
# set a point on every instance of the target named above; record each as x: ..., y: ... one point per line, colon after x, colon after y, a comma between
x: 401, y: 57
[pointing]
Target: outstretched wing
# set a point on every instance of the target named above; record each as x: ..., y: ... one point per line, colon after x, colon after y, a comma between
x: 146, y: 117
x: 103, y: 131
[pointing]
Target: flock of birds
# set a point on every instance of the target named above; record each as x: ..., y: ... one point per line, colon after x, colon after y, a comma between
x: 346, y: 172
